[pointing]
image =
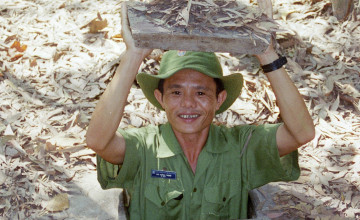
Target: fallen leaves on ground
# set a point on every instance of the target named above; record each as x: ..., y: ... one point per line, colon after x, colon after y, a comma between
x: 49, y: 89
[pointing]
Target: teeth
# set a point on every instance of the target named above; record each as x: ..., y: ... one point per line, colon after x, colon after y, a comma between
x: 188, y: 116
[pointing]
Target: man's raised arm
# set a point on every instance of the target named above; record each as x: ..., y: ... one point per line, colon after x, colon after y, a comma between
x: 298, y: 127
x: 102, y: 135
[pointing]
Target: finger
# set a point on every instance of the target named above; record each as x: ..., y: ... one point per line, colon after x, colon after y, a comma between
x: 266, y: 7
x: 124, y: 19
x: 123, y: 13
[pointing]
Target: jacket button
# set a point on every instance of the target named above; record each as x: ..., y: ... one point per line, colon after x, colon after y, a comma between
x: 224, y: 199
x: 162, y: 203
x: 194, y: 190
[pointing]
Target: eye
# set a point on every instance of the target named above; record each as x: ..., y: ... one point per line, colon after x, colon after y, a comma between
x: 175, y: 92
x: 200, y: 93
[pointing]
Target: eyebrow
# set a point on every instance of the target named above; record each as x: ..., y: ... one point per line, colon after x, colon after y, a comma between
x: 174, y: 86
x: 178, y: 86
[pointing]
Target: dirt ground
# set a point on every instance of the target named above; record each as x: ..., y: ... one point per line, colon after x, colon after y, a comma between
x: 56, y: 58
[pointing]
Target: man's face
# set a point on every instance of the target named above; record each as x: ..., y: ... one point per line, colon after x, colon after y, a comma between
x: 190, y: 102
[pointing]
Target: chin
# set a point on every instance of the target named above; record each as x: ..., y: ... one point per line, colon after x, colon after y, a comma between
x: 189, y: 128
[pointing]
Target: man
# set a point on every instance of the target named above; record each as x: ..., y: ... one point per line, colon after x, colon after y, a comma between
x: 190, y: 168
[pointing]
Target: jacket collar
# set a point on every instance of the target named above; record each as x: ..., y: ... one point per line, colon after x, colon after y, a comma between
x: 169, y: 145
x: 216, y: 142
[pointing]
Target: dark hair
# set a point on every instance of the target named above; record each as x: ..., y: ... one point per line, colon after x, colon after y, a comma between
x: 218, y: 82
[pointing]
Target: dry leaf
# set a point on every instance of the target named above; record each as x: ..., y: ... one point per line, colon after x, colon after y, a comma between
x: 10, y: 38
x: 99, y: 16
x: 117, y: 36
x: 2, y: 177
x: 61, y: 142
x: 266, y: 7
x: 336, y: 104
x: 58, y: 203
x: 8, y: 131
x: 49, y: 146
x: 16, y: 57
x: 17, y: 146
x: 33, y: 63
x: 185, y: 14
x: 18, y: 47
x: 350, y: 90
x: 96, y: 26
x: 58, y: 55
x: 62, y: 6
x: 273, y: 215
x: 267, y: 26
x: 142, y: 8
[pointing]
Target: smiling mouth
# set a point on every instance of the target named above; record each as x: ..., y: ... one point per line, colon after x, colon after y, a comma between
x: 189, y: 116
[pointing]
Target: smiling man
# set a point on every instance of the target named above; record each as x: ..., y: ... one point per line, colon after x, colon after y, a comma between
x: 190, y: 168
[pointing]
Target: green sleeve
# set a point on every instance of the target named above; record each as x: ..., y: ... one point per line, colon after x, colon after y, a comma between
x: 263, y: 162
x: 122, y: 176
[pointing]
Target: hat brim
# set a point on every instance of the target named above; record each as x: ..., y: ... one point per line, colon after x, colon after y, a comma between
x: 232, y: 84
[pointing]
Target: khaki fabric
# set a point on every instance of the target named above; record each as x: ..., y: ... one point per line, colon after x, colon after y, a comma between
x: 218, y: 190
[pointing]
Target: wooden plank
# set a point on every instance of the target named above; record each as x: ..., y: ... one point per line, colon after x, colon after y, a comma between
x: 149, y: 35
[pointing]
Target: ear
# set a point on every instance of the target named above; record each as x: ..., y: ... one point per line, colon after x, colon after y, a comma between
x: 221, y: 98
x: 158, y: 96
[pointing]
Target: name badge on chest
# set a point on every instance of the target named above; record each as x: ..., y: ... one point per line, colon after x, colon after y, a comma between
x: 163, y: 174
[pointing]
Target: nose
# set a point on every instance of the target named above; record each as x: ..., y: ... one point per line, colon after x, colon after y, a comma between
x: 188, y: 101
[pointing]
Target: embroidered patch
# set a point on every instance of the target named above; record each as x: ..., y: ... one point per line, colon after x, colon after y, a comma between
x: 181, y: 53
x: 163, y: 174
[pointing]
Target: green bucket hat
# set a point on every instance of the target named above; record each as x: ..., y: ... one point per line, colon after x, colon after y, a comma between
x: 203, y: 62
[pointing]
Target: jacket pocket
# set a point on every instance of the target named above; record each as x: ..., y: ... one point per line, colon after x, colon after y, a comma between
x: 166, y: 195
x: 217, y: 198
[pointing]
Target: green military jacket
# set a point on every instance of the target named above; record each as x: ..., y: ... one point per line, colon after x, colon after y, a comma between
x: 162, y: 185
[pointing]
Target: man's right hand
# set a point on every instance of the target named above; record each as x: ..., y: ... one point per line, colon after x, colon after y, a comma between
x: 266, y: 7
x: 127, y: 36
x: 102, y: 135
